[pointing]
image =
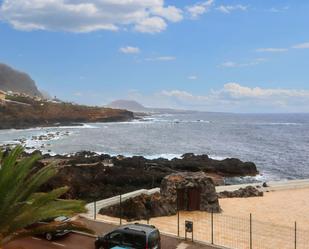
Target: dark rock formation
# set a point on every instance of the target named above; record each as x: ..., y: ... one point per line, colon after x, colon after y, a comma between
x: 192, y: 163
x: 95, y: 181
x: 142, y: 207
x: 13, y: 80
x: 91, y: 176
x: 246, y: 192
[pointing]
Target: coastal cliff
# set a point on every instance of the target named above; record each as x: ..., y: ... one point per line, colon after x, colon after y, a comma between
x: 31, y: 113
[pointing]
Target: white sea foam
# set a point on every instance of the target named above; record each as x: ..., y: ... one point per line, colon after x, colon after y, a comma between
x: 217, y: 157
x: 166, y: 156
x: 288, y: 124
x: 83, y: 126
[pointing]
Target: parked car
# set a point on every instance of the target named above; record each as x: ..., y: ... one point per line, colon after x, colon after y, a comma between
x: 132, y: 236
x: 57, y: 233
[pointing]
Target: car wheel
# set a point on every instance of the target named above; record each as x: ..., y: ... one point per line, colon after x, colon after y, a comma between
x: 48, y: 236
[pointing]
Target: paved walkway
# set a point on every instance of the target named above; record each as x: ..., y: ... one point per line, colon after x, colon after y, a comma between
x: 271, y: 185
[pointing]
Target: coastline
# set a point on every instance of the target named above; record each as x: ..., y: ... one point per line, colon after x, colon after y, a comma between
x: 30, y: 113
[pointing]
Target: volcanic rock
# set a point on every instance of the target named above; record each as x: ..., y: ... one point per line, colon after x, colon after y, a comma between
x: 246, y: 192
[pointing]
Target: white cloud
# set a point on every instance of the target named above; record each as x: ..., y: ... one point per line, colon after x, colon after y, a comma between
x: 235, y: 90
x: 171, y: 13
x: 279, y: 10
x: 237, y: 98
x: 129, y: 50
x: 178, y: 94
x: 162, y: 58
x: 192, y: 77
x: 302, y: 45
x: 199, y: 9
x: 148, y: 16
x: 272, y: 50
x: 151, y: 25
x: 229, y: 8
x: 232, y: 64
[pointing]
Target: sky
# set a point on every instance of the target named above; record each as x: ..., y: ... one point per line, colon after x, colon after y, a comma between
x: 213, y: 55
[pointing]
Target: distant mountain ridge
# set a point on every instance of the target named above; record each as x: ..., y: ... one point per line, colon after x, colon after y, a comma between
x: 134, y: 106
x: 16, y: 81
x: 129, y: 105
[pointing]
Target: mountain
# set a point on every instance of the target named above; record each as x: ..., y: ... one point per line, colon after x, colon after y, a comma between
x: 134, y: 106
x: 16, y: 81
x: 129, y: 105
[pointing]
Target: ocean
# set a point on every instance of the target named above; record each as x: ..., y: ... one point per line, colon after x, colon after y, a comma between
x: 277, y: 143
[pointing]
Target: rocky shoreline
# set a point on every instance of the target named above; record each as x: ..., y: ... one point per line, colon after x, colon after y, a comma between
x: 92, y: 176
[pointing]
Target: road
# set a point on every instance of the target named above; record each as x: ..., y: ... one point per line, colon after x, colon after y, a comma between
x: 78, y: 241
x: 71, y: 241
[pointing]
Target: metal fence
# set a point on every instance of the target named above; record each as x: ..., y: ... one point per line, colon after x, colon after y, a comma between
x: 226, y: 231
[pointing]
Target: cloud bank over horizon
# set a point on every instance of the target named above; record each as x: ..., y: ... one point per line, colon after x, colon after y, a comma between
x: 233, y: 96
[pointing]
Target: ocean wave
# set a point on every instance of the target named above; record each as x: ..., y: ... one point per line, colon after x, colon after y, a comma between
x: 83, y: 126
x: 166, y: 156
x: 279, y: 123
x: 217, y: 157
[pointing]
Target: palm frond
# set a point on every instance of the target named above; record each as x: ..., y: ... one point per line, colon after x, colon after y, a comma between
x: 21, y: 204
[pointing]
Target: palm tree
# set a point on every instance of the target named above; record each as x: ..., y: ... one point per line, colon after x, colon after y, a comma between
x: 20, y: 203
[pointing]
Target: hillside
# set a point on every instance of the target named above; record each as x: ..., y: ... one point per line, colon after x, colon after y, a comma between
x: 42, y: 113
x: 13, y: 80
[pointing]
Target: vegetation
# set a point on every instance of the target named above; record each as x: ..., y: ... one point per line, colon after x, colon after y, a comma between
x: 20, y: 203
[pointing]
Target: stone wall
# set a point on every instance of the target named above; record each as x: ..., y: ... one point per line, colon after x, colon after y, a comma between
x: 191, y: 180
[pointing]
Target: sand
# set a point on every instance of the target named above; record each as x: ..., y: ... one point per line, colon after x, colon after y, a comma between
x: 273, y: 220
x: 279, y: 207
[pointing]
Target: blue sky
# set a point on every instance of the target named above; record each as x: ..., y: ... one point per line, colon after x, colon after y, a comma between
x: 239, y: 56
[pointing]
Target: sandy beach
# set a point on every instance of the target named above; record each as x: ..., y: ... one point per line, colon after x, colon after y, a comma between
x: 273, y: 220
x: 282, y: 207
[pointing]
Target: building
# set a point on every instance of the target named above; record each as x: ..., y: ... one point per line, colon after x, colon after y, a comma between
x: 2, y: 95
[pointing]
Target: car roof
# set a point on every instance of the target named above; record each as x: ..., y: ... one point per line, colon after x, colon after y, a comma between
x: 141, y: 228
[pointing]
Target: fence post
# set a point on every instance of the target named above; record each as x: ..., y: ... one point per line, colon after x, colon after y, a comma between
x: 178, y: 228
x: 120, y: 208
x: 212, y: 227
x: 250, y: 231
x: 295, y: 235
x: 94, y: 210
x: 178, y: 218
